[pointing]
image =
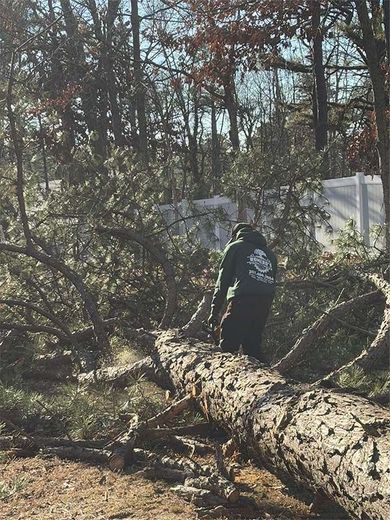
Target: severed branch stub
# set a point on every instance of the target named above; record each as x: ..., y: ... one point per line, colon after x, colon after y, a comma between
x: 122, y: 376
x: 192, y: 328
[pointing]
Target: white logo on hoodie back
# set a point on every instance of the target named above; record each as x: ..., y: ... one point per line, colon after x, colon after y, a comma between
x: 260, y: 267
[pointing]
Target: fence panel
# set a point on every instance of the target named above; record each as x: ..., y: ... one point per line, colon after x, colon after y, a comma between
x: 207, y: 220
x: 359, y: 198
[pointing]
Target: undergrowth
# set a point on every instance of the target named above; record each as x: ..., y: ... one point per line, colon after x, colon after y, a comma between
x: 373, y: 385
x: 9, y: 489
x: 78, y: 413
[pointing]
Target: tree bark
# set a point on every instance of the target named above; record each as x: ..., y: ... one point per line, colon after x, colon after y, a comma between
x: 329, y: 441
x: 56, y: 83
x: 18, y: 146
x: 112, y: 13
x: 386, y: 23
x: 79, y: 69
x: 230, y: 99
x: 231, y: 106
x: 109, y: 91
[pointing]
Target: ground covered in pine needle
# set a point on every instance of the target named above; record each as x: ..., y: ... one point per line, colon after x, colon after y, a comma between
x: 53, y: 489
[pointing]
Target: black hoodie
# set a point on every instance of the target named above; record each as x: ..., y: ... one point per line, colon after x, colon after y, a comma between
x: 248, y: 267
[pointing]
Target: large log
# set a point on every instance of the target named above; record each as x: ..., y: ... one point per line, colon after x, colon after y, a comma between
x: 327, y: 440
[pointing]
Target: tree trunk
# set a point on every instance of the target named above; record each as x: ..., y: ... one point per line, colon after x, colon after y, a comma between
x: 192, y: 113
x: 107, y: 79
x: 79, y: 70
x: 329, y: 441
x: 386, y: 23
x: 381, y: 104
x: 216, y: 166
x: 56, y: 83
x: 142, y: 143
x: 193, y: 145
x: 230, y: 99
x: 112, y: 13
x: 320, y: 94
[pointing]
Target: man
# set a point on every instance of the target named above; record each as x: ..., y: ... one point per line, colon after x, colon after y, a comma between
x: 247, y: 280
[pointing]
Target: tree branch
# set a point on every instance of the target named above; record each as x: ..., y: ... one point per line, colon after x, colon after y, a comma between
x: 159, y: 254
x: 85, y: 294
x: 375, y: 355
x: 317, y: 329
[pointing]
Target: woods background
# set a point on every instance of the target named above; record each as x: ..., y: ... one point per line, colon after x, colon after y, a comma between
x: 110, y: 108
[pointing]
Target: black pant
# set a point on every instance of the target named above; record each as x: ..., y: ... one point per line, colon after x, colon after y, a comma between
x: 243, y: 324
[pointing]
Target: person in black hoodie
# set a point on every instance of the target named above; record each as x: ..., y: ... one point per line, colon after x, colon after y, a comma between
x: 247, y: 281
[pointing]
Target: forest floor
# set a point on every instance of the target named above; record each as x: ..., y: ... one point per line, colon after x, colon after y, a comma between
x: 52, y: 489
x: 43, y: 488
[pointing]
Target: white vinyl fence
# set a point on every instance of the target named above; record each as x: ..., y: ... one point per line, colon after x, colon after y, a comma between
x: 359, y: 198
x: 208, y: 220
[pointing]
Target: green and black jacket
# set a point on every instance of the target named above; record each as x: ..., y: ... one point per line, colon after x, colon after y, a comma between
x: 248, y: 267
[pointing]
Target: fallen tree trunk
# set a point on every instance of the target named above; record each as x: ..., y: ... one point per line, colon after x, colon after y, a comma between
x: 329, y: 441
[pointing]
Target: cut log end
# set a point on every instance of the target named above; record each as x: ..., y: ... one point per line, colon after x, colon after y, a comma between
x: 117, y: 461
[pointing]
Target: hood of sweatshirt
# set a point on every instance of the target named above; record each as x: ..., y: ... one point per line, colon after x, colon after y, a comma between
x: 239, y: 226
x: 252, y: 236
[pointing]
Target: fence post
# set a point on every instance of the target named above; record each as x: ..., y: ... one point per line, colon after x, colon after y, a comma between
x: 361, y: 207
